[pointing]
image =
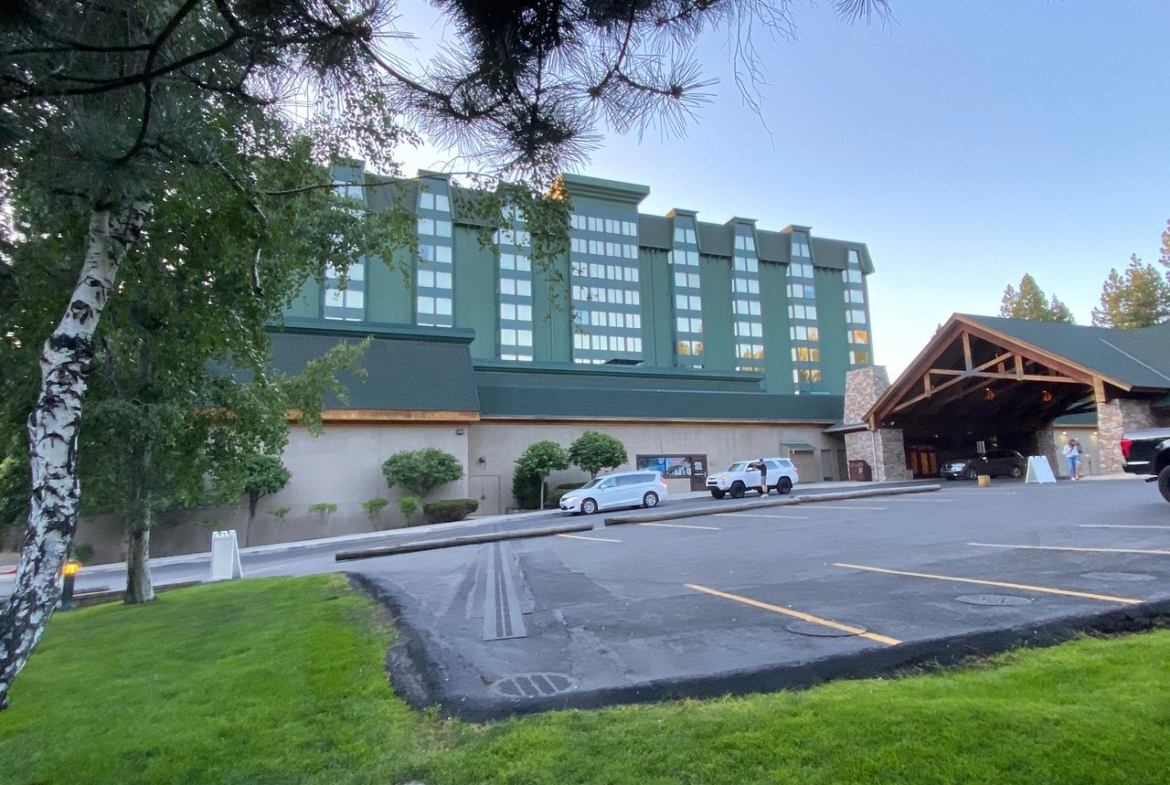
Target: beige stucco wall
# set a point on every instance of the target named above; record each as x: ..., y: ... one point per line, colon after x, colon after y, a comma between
x: 501, y: 443
x: 343, y: 466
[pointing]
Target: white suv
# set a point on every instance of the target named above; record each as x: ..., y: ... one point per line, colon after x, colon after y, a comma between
x: 739, y: 478
x: 621, y: 489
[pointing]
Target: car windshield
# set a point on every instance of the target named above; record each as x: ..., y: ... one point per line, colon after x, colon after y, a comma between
x: 592, y: 483
x: 738, y: 467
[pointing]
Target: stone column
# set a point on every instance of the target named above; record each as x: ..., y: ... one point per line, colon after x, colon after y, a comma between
x: 1116, y: 417
x: 1045, y: 445
x: 884, y: 450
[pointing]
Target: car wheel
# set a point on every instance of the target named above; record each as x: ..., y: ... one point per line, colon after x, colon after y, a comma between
x: 650, y: 499
x: 588, y: 506
x: 718, y: 494
x: 1015, y: 472
x: 1164, y: 482
x: 971, y: 473
x: 737, y: 491
x: 783, y: 486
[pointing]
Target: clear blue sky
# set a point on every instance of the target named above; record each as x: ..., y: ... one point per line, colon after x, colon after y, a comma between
x: 966, y: 142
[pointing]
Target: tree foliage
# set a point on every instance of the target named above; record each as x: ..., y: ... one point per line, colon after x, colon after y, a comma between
x: 264, y: 475
x: 1138, y: 297
x: 421, y: 471
x: 532, y: 467
x: 593, y: 451
x: 1029, y: 303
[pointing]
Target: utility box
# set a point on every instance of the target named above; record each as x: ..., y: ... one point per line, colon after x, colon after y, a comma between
x: 860, y: 471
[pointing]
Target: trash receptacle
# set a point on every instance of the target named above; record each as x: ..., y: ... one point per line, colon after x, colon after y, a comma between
x: 860, y: 471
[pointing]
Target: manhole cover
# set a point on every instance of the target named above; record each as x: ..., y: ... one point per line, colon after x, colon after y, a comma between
x: 534, y: 685
x: 821, y: 631
x: 993, y: 599
x: 1118, y: 576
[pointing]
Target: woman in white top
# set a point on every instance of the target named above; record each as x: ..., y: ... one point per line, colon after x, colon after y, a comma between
x: 1072, y: 454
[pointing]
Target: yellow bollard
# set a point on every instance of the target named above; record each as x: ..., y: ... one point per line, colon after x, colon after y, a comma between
x: 984, y: 480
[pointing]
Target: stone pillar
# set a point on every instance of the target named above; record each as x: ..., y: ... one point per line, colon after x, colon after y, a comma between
x: 1116, y: 417
x: 1045, y: 445
x: 884, y: 450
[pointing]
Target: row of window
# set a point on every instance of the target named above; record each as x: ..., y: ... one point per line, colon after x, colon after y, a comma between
x: 589, y: 223
x: 515, y: 261
x: 745, y: 242
x: 434, y: 227
x: 603, y: 248
x: 806, y: 354
x: 512, y: 338
x: 515, y: 312
x: 432, y: 201
x: 685, y: 236
x: 687, y: 325
x: 440, y: 254
x: 808, y: 312
x: 607, y: 343
x: 855, y: 317
x: 685, y: 258
x: 631, y: 321
x: 596, y: 294
x: 606, y: 272
x: 437, y: 306
x: 801, y: 291
x: 800, y: 248
x: 517, y: 237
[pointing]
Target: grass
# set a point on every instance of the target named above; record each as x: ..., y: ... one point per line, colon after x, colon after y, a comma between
x: 282, y: 681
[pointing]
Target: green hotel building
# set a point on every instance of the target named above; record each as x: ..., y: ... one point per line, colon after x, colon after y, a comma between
x: 694, y: 343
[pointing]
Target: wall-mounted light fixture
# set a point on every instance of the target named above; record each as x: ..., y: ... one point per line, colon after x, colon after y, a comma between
x: 988, y: 394
x: 460, y: 431
x: 1045, y: 396
x: 481, y: 459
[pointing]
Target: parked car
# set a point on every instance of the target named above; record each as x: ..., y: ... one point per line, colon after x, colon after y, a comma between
x: 621, y: 489
x: 995, y: 462
x: 1148, y: 452
x: 739, y: 478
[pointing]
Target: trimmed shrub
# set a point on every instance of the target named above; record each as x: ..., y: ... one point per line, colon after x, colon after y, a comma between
x: 449, y: 510
x: 555, y: 495
x: 408, y: 505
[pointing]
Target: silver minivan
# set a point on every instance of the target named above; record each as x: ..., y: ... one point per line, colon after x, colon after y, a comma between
x: 621, y: 489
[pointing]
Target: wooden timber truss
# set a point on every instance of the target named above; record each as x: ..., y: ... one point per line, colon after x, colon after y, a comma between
x: 971, y: 379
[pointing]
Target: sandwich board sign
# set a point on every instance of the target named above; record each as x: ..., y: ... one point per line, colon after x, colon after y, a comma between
x: 225, y: 556
x: 1038, y: 470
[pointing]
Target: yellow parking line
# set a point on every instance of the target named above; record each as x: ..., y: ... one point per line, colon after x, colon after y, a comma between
x: 1119, y: 526
x: 796, y: 614
x: 1068, y: 548
x: 1000, y: 584
x: 682, y: 526
x: 759, y: 515
x: 591, y: 539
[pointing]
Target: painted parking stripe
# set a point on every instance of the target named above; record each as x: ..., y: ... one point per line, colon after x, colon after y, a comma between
x: 1119, y: 526
x: 1068, y: 548
x: 938, y: 500
x: 590, y: 539
x: 760, y: 515
x: 682, y: 526
x: 796, y: 614
x: 838, y: 506
x: 1000, y: 584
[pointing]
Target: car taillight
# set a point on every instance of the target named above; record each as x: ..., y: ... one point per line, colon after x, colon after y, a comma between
x: 1125, y: 445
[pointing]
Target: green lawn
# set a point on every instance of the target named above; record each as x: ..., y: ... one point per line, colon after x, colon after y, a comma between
x: 282, y: 681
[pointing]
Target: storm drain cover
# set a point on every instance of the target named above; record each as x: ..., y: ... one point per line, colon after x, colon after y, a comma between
x: 534, y: 685
x: 821, y: 631
x: 1118, y: 576
x: 993, y: 599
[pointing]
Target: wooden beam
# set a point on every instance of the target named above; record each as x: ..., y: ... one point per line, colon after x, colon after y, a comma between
x: 967, y: 350
x: 1031, y: 377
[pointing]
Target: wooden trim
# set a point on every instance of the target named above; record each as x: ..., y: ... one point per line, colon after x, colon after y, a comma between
x: 539, y: 420
x: 378, y: 416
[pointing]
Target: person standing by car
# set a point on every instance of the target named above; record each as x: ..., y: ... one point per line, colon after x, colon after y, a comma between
x: 759, y: 465
x: 1072, y: 454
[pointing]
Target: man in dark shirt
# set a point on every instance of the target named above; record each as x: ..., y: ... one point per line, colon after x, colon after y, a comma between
x: 762, y: 467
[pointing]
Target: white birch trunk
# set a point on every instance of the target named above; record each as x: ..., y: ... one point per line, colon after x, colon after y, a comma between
x: 52, y: 435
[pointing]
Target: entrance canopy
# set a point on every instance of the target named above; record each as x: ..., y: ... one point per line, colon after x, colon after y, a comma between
x: 983, y: 375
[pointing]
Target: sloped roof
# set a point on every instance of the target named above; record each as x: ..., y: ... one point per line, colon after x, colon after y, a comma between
x: 1134, y: 358
x: 654, y: 405
x: 405, y: 373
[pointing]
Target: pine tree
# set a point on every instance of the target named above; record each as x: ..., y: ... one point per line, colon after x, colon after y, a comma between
x: 1139, y: 297
x: 1029, y: 303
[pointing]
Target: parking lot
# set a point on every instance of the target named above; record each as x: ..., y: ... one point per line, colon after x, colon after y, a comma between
x: 771, y: 597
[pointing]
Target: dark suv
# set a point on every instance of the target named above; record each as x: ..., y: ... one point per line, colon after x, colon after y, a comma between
x: 994, y: 462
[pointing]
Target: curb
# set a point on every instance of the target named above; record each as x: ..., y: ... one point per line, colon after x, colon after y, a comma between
x: 756, y: 504
x: 452, y: 542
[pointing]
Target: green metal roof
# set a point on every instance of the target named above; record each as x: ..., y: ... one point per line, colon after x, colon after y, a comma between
x: 418, y: 373
x: 655, y: 405
x: 1138, y: 358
